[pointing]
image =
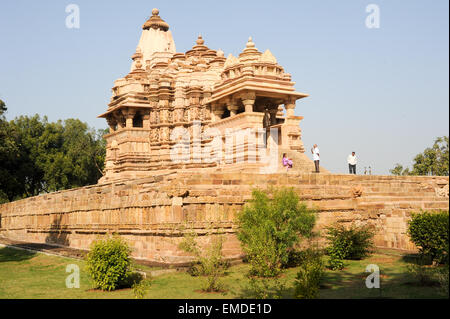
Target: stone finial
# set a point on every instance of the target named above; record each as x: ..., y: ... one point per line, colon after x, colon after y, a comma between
x: 138, y: 64
x: 250, y: 53
x: 200, y: 40
x: 155, y: 22
x: 250, y: 43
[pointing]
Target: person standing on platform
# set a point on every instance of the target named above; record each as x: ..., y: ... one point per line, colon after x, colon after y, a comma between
x: 351, y: 160
x: 316, y: 157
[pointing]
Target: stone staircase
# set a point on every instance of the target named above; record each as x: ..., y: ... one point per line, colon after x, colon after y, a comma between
x: 302, y: 163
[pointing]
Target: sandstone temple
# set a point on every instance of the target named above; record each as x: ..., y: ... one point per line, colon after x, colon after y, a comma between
x: 191, y: 135
x: 199, y: 109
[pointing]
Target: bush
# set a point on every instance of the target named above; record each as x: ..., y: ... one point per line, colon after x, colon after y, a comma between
x: 140, y: 288
x: 352, y: 243
x: 429, y: 232
x: 308, y: 279
x: 265, y: 288
x: 442, y: 277
x: 269, y: 226
x: 299, y: 257
x: 422, y: 273
x: 208, y: 262
x: 108, y: 263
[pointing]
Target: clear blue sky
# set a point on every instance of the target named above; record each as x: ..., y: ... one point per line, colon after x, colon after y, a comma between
x: 381, y: 92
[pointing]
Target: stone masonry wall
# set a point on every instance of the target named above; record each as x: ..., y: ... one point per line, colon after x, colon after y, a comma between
x: 153, y: 213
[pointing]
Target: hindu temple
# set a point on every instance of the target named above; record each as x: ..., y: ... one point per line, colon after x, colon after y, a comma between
x: 200, y: 109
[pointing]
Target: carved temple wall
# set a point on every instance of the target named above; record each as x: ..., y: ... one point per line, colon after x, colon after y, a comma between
x: 153, y: 213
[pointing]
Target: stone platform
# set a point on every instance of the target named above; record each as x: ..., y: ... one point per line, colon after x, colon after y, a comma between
x: 153, y: 213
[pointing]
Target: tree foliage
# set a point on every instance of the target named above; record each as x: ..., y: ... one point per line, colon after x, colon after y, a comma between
x: 109, y: 263
x: 37, y: 156
x: 353, y: 242
x: 209, y: 261
x: 310, y: 273
x: 399, y: 170
x: 2, y: 107
x: 270, y: 225
x: 432, y: 161
x: 429, y: 232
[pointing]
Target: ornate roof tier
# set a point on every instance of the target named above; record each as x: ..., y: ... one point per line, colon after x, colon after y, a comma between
x: 254, y: 71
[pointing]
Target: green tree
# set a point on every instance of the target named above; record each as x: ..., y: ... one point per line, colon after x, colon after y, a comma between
x: 72, y: 155
x: 37, y: 156
x: 9, y: 185
x: 2, y: 107
x: 399, y: 170
x: 432, y: 161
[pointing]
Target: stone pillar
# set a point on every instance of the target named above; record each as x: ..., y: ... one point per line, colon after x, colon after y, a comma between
x: 249, y: 100
x: 217, y: 112
x: 289, y: 105
x: 129, y: 114
x: 112, y: 123
x: 273, y: 116
x: 233, y: 107
x: 146, y: 120
x: 119, y: 119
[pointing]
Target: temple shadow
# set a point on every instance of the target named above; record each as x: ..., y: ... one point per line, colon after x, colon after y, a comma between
x: 8, y: 254
x: 58, y: 234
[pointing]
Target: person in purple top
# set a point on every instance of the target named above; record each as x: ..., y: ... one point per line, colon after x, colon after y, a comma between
x: 287, y: 162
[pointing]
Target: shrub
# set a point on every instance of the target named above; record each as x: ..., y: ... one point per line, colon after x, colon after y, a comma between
x: 429, y: 232
x: 140, y: 288
x: 352, y: 243
x: 108, y: 263
x: 308, y: 279
x: 299, y: 257
x: 442, y: 277
x: 269, y: 226
x: 208, y: 262
x: 423, y: 274
x: 265, y: 288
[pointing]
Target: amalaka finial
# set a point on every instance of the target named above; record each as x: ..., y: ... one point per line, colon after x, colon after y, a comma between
x: 200, y: 40
x: 155, y: 22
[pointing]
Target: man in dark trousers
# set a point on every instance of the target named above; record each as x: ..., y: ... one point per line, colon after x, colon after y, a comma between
x: 316, y: 157
x: 351, y: 160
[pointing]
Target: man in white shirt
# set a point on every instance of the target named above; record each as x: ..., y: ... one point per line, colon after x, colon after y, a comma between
x: 316, y: 157
x: 351, y: 160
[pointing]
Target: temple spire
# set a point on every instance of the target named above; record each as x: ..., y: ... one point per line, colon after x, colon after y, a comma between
x: 155, y: 38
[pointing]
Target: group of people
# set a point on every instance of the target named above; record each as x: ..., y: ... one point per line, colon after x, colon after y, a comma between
x: 351, y: 160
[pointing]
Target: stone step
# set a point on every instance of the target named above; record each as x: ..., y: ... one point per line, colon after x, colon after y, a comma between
x: 401, y: 194
x: 397, y: 198
x: 440, y: 205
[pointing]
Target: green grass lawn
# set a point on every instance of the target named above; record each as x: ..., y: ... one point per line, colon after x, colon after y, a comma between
x: 33, y: 275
